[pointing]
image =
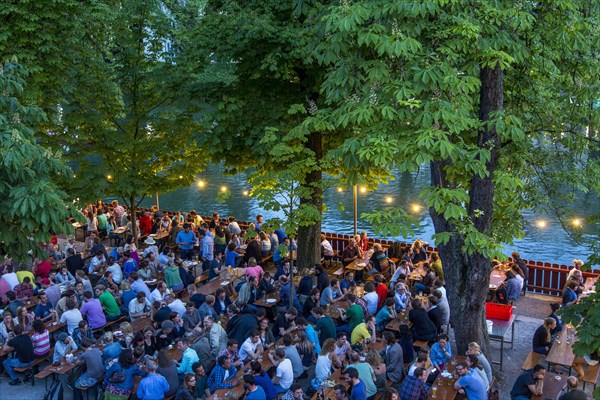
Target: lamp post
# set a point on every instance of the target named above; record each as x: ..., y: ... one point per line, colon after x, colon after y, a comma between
x: 355, y: 203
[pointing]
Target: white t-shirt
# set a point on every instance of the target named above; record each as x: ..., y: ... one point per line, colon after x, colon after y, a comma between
x: 72, y: 318
x: 156, y: 295
x: 372, y: 299
x: 247, y: 347
x: 286, y: 373
x: 178, y: 306
x: 323, y: 368
x: 117, y: 273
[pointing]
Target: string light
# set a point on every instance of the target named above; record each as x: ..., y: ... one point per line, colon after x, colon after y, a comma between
x: 389, y: 199
x: 576, y: 222
x: 180, y: 176
x: 340, y: 189
x: 363, y: 189
x: 245, y: 193
x: 109, y: 177
x: 201, y: 184
x: 223, y: 188
x: 416, y: 208
x: 541, y: 223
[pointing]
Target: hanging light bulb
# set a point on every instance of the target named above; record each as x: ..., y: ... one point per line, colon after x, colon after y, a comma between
x: 416, y: 208
x: 389, y: 199
x: 363, y: 189
x: 541, y: 223
x: 245, y: 193
x: 180, y: 176
x: 340, y: 189
x: 109, y: 177
x: 223, y: 188
x: 201, y: 184
x: 576, y: 222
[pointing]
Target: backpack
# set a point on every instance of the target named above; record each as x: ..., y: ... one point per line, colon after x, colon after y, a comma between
x: 501, y: 294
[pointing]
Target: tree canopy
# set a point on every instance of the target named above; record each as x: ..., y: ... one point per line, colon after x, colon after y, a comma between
x: 33, y: 205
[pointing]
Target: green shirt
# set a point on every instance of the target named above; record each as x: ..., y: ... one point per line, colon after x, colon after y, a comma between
x: 172, y: 277
x: 355, y: 315
x: 102, y: 221
x: 326, y: 329
x: 109, y: 304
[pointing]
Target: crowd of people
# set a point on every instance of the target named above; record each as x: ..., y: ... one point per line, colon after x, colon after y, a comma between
x: 96, y: 297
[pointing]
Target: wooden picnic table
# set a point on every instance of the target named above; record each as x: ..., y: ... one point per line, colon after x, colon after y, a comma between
x: 497, y: 276
x: 394, y: 324
x: 553, y: 385
x: 417, y: 273
x: 268, y: 301
x: 360, y: 263
x: 140, y: 323
x: 212, y: 286
x: 445, y: 386
x: 561, y: 352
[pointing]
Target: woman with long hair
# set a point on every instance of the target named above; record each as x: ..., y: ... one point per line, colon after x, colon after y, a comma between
x: 474, y: 366
x: 25, y: 319
x: 474, y: 348
x: 187, y: 390
x: 83, y: 278
x: 265, y: 243
x: 305, y: 349
x: 326, y: 360
x: 542, y: 338
x: 92, y: 222
x: 266, y: 335
x: 376, y: 362
x: 391, y: 394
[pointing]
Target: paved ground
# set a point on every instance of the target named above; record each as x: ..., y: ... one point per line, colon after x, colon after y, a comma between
x: 530, y: 310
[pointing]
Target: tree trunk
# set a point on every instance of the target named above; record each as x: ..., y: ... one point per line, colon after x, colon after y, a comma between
x: 468, y: 276
x: 134, y: 229
x: 309, y: 237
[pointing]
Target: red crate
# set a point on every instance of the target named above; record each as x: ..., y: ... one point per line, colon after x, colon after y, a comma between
x: 498, y: 311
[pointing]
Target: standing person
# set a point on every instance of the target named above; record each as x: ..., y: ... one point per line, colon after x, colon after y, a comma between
x: 393, y: 359
x: 168, y: 369
x: 186, y: 240
x: 358, y: 390
x: 22, y: 345
x: 153, y: 386
x: 469, y: 383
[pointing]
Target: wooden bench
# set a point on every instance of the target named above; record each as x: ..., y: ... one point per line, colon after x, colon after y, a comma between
x: 109, y: 324
x: 591, y: 375
x: 36, y: 362
x: 531, y: 361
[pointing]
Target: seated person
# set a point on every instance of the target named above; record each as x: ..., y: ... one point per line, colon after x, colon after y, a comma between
x: 423, y: 328
x: 542, y: 338
x: 529, y: 383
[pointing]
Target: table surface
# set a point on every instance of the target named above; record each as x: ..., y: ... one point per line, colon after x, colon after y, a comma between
x: 497, y: 276
x: 445, y: 386
x: 561, y: 352
x: 262, y: 302
x: 590, y: 282
x: 238, y: 389
x: 552, y: 386
x: 354, y: 265
x: 501, y: 326
x: 212, y: 286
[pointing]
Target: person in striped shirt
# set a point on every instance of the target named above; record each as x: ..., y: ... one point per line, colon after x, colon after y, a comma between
x: 40, y: 339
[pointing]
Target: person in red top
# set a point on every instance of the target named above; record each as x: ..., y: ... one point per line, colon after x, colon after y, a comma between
x: 43, y: 268
x: 381, y: 289
x: 24, y: 289
x: 364, y: 241
x: 145, y: 224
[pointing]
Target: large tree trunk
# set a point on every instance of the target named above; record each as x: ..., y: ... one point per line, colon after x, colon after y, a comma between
x: 309, y: 237
x: 468, y: 276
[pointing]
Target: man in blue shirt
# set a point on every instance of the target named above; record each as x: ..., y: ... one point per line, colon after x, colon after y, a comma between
x: 153, y: 386
x: 441, y: 352
x: 186, y: 239
x: 311, y: 334
x: 348, y: 282
x: 359, y: 390
x: 469, y: 383
x: 44, y: 310
x: 284, y: 292
x: 253, y: 391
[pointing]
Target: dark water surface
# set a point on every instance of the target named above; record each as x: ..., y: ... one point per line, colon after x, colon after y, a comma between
x: 549, y: 243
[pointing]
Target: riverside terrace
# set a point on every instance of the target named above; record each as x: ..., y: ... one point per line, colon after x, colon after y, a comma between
x: 525, y: 317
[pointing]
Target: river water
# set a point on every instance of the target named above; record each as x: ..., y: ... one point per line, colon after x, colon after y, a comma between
x: 550, y: 243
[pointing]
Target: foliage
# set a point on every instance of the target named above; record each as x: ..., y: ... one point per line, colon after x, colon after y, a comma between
x: 129, y: 130
x: 494, y: 95
x: 33, y: 206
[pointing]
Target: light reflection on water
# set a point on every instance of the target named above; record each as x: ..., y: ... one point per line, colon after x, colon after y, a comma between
x: 543, y: 244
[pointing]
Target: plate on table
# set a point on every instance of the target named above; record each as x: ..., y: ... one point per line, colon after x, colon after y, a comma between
x: 270, y: 301
x: 493, y: 286
x: 151, y: 281
x: 224, y: 283
x: 361, y: 264
x: 117, y: 333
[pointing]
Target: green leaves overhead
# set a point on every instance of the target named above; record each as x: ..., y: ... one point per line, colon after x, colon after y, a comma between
x: 34, y: 207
